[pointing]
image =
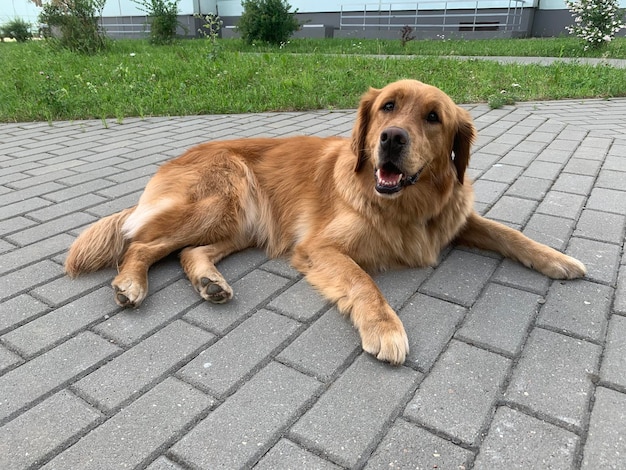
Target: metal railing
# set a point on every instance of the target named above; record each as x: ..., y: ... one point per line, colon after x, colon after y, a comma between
x: 472, y: 15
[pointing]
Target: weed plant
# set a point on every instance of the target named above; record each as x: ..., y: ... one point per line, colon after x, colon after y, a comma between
x: 17, y: 29
x: 134, y: 78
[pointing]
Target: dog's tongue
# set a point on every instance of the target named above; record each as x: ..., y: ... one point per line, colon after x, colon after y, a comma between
x: 388, y: 178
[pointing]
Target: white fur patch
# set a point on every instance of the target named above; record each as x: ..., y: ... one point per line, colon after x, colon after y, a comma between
x: 142, y: 214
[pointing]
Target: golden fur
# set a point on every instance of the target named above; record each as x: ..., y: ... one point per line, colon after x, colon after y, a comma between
x: 391, y: 196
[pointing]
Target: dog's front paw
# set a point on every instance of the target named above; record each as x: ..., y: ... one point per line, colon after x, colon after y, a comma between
x: 386, y: 339
x: 129, y: 292
x: 560, y: 266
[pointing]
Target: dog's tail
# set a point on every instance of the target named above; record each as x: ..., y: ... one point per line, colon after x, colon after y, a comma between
x: 102, y: 245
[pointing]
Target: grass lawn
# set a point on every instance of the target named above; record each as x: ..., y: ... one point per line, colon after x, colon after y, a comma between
x: 134, y: 78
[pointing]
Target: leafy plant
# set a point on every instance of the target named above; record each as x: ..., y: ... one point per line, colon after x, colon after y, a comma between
x: 596, y: 21
x: 77, y: 24
x: 210, y: 29
x: 163, y: 15
x: 406, y: 35
x: 268, y: 21
x: 17, y: 29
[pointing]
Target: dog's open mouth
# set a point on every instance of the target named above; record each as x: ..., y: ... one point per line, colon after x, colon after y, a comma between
x: 389, y: 179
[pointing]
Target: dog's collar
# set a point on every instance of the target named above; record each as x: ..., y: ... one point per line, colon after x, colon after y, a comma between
x: 411, y: 180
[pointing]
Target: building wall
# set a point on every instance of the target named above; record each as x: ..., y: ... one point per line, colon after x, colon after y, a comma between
x: 545, y: 18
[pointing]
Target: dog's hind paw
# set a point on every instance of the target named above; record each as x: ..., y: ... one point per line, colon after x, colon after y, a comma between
x: 217, y: 292
x: 129, y: 292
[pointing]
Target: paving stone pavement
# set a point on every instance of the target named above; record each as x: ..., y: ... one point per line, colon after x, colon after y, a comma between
x: 507, y: 369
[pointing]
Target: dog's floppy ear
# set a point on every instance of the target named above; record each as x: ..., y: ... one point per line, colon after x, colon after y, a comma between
x: 361, y: 126
x: 463, y: 139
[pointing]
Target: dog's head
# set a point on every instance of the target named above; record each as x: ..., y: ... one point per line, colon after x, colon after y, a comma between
x: 407, y: 127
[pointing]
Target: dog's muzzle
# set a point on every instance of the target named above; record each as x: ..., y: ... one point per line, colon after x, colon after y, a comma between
x: 389, y: 177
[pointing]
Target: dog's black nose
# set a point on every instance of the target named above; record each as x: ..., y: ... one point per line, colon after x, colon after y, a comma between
x: 393, y: 140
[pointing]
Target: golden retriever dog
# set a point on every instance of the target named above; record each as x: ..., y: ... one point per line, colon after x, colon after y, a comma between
x: 393, y: 195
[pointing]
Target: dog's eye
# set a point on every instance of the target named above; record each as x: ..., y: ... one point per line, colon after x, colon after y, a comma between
x: 432, y: 117
x: 389, y: 106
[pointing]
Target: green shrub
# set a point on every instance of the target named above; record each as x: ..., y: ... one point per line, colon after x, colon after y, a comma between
x: 17, y: 29
x: 268, y: 21
x: 163, y: 16
x: 74, y: 24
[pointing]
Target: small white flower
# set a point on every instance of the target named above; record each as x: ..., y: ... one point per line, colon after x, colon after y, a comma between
x: 132, y: 54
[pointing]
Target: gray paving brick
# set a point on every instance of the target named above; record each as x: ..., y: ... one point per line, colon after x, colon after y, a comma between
x: 163, y: 463
x: 429, y: 323
x: 62, y: 208
x: 553, y: 376
x: 29, y: 192
x: 14, y: 224
x: 512, y: 209
x: 251, y: 291
x: 550, y: 230
x: 601, y: 259
x: 35, y: 252
x: 608, y: 200
x: 518, y: 441
x: 8, y: 359
x: 240, y: 431
x: 222, y: 366
x: 408, y: 446
x: 601, y: 226
x: 6, y: 246
x: 398, y: 285
x: 458, y: 395
x: 324, y: 347
x: 488, y: 192
x: 500, y: 319
x: 562, y: 204
x: 613, y: 368
x: 65, y: 288
x: 529, y: 188
x: 460, y: 277
x: 502, y: 173
x: 615, y: 162
x: 300, y: 301
x: 289, y: 456
x: 572, y: 183
x: 47, y: 229
x: 577, y: 307
x: 281, y: 267
x: 514, y: 274
x: 18, y: 310
x: 236, y: 265
x: 58, y: 325
x: 620, y: 294
x: 111, y: 206
x: 128, y: 326
x: 611, y: 179
x: 34, y: 379
x: 348, y: 420
x: 78, y: 190
x: 606, y: 445
x: 98, y: 174
x: 22, y: 279
x: 543, y: 169
x: 27, y: 440
x: 139, y: 367
x: 130, y: 437
x: 582, y: 166
x: 22, y: 207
